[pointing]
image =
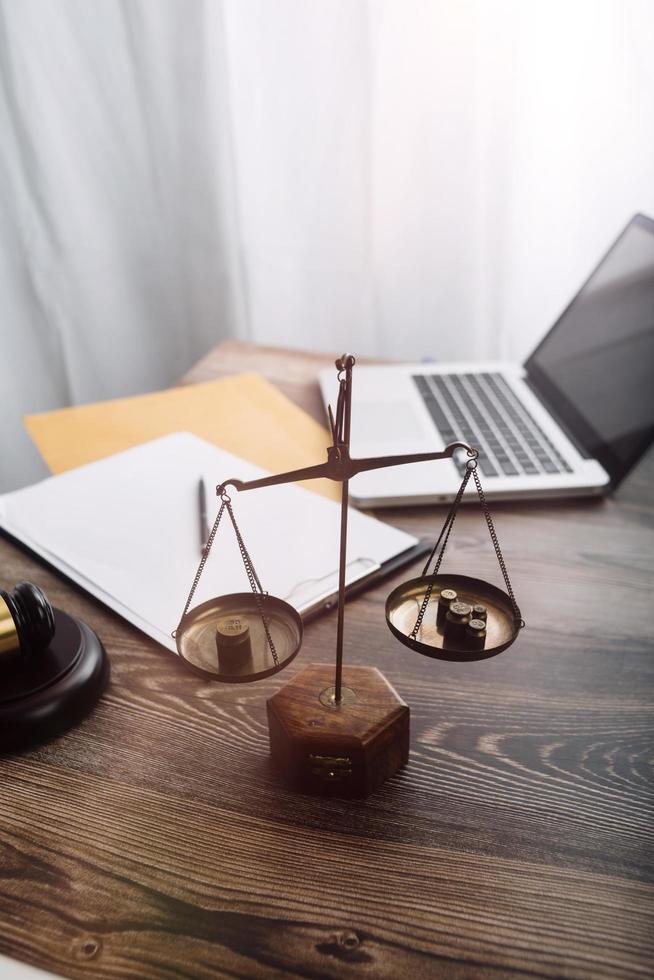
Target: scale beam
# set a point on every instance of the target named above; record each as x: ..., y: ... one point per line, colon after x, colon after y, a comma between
x: 340, y: 467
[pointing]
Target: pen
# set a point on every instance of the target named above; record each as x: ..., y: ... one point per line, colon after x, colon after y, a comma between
x: 202, y: 514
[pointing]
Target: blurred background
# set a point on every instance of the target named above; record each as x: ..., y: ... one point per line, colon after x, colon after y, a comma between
x: 403, y: 178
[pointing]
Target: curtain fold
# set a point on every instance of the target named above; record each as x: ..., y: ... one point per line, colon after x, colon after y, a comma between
x: 405, y: 178
x: 119, y: 252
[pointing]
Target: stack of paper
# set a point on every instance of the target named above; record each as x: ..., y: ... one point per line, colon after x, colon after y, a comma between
x: 126, y: 529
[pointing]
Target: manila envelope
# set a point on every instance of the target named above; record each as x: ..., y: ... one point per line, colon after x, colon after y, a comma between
x: 243, y: 414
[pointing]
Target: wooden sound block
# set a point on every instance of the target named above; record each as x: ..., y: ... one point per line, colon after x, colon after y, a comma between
x: 43, y: 695
x: 348, y: 749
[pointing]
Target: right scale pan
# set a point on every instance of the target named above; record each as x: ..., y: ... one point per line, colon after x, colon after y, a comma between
x: 404, y: 603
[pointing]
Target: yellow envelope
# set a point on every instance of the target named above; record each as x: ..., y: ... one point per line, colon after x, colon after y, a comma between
x: 243, y: 414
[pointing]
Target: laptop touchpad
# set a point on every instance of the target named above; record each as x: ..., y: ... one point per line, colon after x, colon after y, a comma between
x: 385, y: 422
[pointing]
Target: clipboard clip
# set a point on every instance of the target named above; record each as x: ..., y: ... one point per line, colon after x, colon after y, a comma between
x: 325, y: 598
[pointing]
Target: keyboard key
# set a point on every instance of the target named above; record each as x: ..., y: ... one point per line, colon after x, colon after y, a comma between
x: 487, y: 468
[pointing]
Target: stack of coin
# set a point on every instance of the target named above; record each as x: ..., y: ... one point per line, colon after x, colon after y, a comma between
x: 479, y: 612
x: 445, y: 599
x: 233, y: 645
x: 475, y: 635
x: 456, y: 621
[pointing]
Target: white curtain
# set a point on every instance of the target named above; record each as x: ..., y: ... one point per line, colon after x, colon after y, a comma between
x: 119, y: 258
x: 404, y: 178
x: 434, y: 178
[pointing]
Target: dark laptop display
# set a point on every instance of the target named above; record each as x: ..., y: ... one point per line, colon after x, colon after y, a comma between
x: 595, y: 368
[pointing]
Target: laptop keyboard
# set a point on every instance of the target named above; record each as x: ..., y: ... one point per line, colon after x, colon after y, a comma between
x: 482, y: 410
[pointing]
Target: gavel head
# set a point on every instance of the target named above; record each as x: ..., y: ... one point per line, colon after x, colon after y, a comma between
x: 26, y: 620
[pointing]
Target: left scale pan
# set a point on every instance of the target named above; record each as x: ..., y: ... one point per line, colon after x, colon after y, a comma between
x: 240, y: 637
x: 44, y: 694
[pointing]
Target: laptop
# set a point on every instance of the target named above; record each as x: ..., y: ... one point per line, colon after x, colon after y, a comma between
x: 572, y: 420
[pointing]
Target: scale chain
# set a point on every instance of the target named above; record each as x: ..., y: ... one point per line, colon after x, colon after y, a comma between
x: 445, y: 531
x: 203, y: 560
x: 253, y: 578
x: 255, y: 584
x: 498, y: 550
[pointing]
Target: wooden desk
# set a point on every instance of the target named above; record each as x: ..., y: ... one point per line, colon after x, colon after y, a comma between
x: 155, y: 840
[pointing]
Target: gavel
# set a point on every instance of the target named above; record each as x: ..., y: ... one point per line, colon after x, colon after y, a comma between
x: 27, y: 621
x: 53, y: 669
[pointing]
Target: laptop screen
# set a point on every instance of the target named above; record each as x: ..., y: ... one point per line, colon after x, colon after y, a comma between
x: 595, y: 368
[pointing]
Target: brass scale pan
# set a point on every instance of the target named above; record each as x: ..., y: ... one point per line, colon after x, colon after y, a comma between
x: 404, y: 602
x: 196, y: 636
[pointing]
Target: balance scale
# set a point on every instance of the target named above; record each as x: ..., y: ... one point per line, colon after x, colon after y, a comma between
x: 335, y: 730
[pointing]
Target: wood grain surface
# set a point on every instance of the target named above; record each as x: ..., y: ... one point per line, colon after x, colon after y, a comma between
x: 156, y: 840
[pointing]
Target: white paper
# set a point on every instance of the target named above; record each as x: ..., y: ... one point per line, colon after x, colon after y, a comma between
x: 126, y: 529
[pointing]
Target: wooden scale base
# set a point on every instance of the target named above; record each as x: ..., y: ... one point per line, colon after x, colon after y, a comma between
x: 347, y: 749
